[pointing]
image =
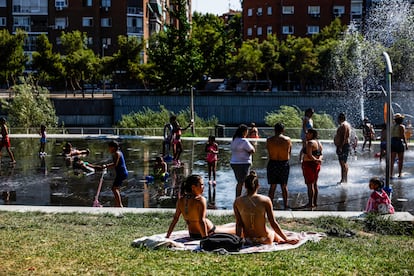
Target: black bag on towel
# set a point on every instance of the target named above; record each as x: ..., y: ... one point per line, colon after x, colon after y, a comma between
x: 229, y: 242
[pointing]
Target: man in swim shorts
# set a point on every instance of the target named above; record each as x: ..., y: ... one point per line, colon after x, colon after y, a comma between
x: 279, y: 148
x: 342, y: 143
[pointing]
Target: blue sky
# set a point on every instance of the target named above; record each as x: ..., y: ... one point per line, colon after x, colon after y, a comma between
x: 217, y: 7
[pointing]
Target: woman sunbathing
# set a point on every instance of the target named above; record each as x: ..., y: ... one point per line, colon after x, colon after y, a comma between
x: 193, y: 206
x: 251, y: 211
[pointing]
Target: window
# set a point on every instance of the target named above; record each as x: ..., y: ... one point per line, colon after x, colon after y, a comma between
x: 288, y: 9
x: 249, y: 32
x: 269, y: 11
x: 87, y: 3
x: 313, y: 29
x: 269, y: 30
x: 134, y: 25
x: 259, y: 31
x: 61, y: 23
x: 259, y: 12
x: 106, y: 41
x: 287, y: 29
x: 249, y: 12
x: 106, y: 22
x: 338, y: 10
x: 87, y: 21
x: 3, y: 21
x: 60, y: 4
x: 89, y: 40
x: 105, y: 3
x: 356, y: 9
x: 314, y: 10
x: 3, y: 3
x: 23, y: 21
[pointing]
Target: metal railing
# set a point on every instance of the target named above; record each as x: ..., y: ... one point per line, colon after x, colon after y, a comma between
x: 218, y: 131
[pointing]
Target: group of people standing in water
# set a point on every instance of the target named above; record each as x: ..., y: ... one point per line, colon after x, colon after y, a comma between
x: 252, y: 210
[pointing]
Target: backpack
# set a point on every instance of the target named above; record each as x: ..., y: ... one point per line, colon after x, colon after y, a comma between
x: 229, y: 242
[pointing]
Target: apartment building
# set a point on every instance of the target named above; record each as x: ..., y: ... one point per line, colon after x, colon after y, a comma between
x: 298, y: 18
x: 102, y: 20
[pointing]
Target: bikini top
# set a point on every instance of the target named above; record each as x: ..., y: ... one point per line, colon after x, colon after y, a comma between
x: 317, y: 152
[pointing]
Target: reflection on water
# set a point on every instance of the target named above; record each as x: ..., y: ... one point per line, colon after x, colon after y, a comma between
x: 49, y: 180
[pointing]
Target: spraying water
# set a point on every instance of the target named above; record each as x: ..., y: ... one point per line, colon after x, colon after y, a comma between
x: 357, y: 65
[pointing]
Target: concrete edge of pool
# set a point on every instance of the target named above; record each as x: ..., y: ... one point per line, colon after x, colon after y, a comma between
x: 398, y: 216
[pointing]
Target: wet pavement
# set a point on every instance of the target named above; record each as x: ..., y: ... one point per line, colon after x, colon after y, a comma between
x: 48, y: 181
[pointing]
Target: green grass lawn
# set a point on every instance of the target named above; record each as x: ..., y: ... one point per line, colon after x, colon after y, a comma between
x: 84, y: 244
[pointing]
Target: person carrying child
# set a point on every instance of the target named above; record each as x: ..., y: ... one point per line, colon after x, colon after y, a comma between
x: 378, y: 202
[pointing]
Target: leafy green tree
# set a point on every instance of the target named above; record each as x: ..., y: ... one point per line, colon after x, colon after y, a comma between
x: 12, y: 57
x: 300, y: 58
x: 235, y: 31
x: 125, y: 64
x: 402, y: 56
x: 357, y: 63
x: 174, y: 53
x: 270, y: 56
x: 210, y: 36
x: 30, y: 107
x: 47, y: 65
x: 80, y: 62
x: 325, y: 44
x: 247, y: 63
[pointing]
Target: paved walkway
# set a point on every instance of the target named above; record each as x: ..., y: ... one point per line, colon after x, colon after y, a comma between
x: 399, y: 216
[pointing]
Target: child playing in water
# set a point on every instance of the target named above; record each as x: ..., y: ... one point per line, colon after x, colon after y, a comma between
x: 378, y: 202
x: 5, y: 140
x: 176, y: 141
x: 42, y: 139
x: 121, y: 172
x: 212, y: 152
x: 160, y: 169
x: 69, y: 151
x: 85, y: 167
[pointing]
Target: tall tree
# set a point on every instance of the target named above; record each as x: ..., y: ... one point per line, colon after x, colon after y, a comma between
x: 80, y: 62
x: 247, y: 62
x: 125, y: 65
x: 12, y: 57
x: 270, y: 49
x: 325, y: 44
x: 47, y: 65
x: 300, y: 58
x: 175, y: 55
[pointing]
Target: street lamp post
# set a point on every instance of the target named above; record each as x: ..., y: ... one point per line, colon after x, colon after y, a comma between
x: 104, y: 46
x: 388, y: 121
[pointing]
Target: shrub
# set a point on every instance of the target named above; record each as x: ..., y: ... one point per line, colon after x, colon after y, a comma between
x: 292, y: 116
x: 149, y: 118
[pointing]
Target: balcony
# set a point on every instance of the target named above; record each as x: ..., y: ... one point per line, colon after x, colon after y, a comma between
x: 136, y: 30
x: 19, y: 9
x: 135, y: 11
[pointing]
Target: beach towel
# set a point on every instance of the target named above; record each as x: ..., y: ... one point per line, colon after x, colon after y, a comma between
x: 180, y: 240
